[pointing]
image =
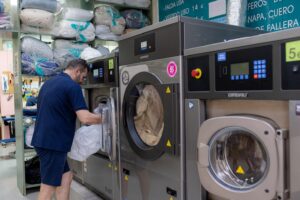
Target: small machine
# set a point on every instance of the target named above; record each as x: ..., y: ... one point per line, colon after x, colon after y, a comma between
x: 242, y: 113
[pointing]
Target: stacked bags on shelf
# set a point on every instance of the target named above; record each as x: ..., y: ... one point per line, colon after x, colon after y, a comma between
x: 4, y: 16
x: 38, y: 16
x: 66, y: 50
x: 37, y: 58
x: 109, y: 23
x: 76, y: 25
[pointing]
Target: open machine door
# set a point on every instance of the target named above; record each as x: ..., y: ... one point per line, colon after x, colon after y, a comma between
x: 150, y: 116
x: 242, y: 157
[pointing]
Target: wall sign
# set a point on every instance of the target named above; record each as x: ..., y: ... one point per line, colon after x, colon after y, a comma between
x: 267, y: 15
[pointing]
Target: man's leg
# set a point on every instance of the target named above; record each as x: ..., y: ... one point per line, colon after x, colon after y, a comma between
x: 46, y: 192
x: 63, y: 192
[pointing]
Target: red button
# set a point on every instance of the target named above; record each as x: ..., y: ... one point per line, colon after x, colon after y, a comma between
x: 195, y: 73
x: 255, y: 76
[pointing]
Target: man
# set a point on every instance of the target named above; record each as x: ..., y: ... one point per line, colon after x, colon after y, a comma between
x: 60, y: 100
x: 32, y: 99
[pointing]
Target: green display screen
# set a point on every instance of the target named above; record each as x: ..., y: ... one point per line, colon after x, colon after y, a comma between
x: 239, y: 69
x: 292, y: 51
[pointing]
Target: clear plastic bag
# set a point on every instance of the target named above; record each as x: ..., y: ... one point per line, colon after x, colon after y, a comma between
x: 87, y: 141
x: 135, y: 18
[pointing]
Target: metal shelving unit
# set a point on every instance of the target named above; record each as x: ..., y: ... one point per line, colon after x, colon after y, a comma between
x: 16, y: 33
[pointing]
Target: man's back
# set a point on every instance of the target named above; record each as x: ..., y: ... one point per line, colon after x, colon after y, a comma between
x: 59, y: 99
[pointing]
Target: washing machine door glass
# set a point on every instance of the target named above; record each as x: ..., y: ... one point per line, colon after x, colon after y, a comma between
x: 237, y: 158
x: 149, y: 116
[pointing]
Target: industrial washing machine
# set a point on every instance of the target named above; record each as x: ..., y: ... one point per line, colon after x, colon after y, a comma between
x: 100, y: 170
x: 242, y: 113
x: 151, y: 106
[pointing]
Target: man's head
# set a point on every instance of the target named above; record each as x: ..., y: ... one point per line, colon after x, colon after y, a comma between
x: 77, y: 69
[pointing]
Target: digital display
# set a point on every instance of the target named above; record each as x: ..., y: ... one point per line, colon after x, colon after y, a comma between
x: 222, y: 56
x: 292, y: 51
x: 111, y: 64
x: 239, y: 69
x: 144, y: 45
x: 95, y: 73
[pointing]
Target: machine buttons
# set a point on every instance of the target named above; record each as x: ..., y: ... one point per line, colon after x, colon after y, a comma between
x: 196, y: 73
x: 259, y: 69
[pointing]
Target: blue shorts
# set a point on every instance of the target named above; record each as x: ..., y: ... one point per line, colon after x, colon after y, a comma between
x: 53, y: 164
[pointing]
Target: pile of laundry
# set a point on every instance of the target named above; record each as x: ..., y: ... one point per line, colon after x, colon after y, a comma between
x: 39, y: 16
x: 5, y: 22
x: 37, y: 58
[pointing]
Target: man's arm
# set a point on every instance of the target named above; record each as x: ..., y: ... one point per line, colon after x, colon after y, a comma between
x: 88, y: 118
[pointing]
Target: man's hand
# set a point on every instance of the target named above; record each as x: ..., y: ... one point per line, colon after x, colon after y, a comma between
x: 88, y: 118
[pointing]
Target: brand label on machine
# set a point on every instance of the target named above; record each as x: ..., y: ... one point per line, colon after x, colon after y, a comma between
x: 172, y: 69
x: 237, y: 95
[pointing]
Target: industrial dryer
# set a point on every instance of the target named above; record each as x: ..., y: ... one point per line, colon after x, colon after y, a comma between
x: 100, y: 172
x: 151, y: 106
x: 242, y: 103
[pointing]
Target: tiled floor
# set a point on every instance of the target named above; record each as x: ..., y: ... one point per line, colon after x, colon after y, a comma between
x: 8, y: 181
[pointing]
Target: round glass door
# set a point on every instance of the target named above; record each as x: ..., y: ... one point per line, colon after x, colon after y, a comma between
x: 144, y: 116
x: 237, y: 158
x: 149, y: 115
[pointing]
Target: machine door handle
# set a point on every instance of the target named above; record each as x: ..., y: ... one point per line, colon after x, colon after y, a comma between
x: 203, y: 155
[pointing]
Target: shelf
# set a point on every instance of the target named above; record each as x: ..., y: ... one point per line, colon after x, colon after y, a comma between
x: 32, y: 185
x: 123, y: 5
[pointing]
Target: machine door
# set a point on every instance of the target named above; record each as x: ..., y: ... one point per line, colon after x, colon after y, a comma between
x: 150, y: 116
x: 241, y: 157
x: 106, y: 106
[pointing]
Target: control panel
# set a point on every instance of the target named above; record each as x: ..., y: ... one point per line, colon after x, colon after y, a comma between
x: 244, y: 69
x: 290, y: 66
x: 102, y: 71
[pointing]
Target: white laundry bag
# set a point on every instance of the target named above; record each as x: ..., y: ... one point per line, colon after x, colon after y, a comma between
x: 87, y: 141
x: 29, y: 134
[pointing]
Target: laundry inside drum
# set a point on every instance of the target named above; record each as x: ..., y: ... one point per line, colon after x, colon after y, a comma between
x: 237, y: 158
x: 149, y: 118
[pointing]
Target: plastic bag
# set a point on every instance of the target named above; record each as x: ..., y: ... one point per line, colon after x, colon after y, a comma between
x: 29, y: 134
x: 68, y: 44
x: 87, y: 141
x: 135, y: 19
x: 103, y: 50
x: 63, y: 56
x: 38, y: 66
x: 33, y: 46
x: 102, y: 29
x: 77, y: 14
x: 108, y: 36
x: 32, y: 171
x: 89, y: 53
x: 37, y: 18
x: 81, y: 31
x: 49, y: 5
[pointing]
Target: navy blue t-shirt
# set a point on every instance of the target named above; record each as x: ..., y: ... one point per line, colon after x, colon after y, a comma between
x: 31, y: 101
x: 58, y: 100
